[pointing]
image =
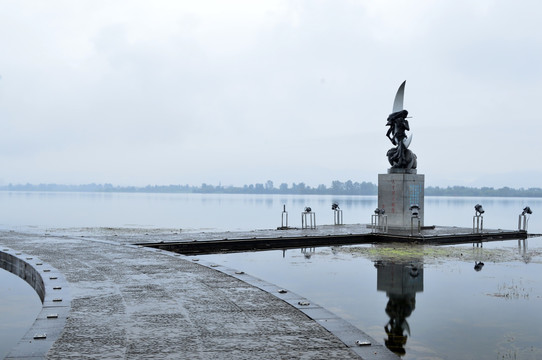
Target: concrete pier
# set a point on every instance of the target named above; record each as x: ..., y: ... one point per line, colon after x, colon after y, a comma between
x: 131, y: 302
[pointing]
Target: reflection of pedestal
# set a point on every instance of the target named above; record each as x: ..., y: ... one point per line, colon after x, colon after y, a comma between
x: 397, y: 192
x: 312, y: 220
x: 399, y: 279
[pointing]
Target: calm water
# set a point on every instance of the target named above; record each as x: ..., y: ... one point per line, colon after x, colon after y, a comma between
x: 19, y: 307
x: 427, y: 302
x: 195, y: 212
x: 430, y: 303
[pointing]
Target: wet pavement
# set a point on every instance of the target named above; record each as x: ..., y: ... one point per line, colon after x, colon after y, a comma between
x: 123, y: 301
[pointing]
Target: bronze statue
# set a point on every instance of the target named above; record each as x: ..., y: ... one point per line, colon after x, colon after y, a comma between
x: 400, y: 157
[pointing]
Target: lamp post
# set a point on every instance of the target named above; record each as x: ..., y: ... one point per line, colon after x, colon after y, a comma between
x: 478, y: 219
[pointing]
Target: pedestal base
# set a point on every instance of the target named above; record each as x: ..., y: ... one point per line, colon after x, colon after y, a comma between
x: 397, y: 192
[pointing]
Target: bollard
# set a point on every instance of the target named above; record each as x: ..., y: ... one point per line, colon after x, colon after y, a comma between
x: 337, y: 217
x: 522, y: 222
x: 284, y: 219
x: 312, y: 220
x: 379, y: 223
x: 418, y: 226
x: 477, y: 224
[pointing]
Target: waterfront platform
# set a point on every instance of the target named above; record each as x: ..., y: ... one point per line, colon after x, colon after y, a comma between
x: 327, y: 235
x: 114, y: 300
x: 117, y: 299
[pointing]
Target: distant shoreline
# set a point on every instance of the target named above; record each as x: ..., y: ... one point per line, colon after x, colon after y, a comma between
x: 337, y: 188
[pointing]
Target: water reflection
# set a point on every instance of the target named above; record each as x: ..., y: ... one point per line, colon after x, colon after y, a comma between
x: 522, y: 247
x: 490, y: 312
x: 478, y: 254
x: 308, y: 252
x: 401, y: 282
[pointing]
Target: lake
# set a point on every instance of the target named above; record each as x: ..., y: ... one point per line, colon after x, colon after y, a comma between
x: 19, y: 307
x: 215, y: 212
x: 424, y: 302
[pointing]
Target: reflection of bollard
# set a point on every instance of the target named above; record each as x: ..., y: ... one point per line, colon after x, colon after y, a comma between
x: 477, y: 223
x: 338, y: 217
x: 284, y: 219
x: 522, y: 222
x: 414, y: 219
x: 312, y: 219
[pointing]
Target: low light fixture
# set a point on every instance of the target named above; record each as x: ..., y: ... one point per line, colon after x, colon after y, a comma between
x: 380, y: 211
x: 527, y: 210
x: 414, y: 209
x: 308, y: 209
x: 335, y: 206
x: 479, y: 210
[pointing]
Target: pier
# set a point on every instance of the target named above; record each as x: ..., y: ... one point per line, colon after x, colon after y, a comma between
x: 326, y: 236
x: 118, y: 300
x: 117, y: 294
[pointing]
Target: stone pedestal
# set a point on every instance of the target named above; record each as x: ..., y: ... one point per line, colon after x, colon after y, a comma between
x: 397, y: 192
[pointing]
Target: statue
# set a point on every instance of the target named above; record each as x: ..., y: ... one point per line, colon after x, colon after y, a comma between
x: 400, y: 157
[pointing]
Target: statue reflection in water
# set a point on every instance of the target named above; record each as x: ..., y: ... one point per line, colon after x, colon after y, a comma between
x: 401, y: 282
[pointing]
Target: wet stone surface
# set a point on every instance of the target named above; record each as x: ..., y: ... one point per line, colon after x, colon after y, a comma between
x: 129, y: 302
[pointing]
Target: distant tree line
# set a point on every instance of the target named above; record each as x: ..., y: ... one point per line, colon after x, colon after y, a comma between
x: 337, y: 188
x: 484, y: 191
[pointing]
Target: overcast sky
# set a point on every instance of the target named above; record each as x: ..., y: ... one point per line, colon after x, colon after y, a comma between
x: 239, y: 92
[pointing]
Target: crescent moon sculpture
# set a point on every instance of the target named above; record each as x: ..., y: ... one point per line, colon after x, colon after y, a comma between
x: 400, y: 157
x: 398, y: 102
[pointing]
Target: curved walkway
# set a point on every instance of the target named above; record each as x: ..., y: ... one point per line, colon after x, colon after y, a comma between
x: 131, y: 302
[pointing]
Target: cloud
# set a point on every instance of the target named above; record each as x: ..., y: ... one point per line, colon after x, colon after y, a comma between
x: 191, y: 92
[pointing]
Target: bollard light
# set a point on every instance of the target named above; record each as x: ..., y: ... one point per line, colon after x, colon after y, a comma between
x: 479, y: 210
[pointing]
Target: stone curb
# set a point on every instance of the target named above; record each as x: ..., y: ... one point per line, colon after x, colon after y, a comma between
x: 53, y: 290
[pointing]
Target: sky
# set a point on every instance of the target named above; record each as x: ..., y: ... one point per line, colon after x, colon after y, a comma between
x: 241, y: 92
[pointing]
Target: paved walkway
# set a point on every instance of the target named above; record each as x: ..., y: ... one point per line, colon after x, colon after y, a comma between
x: 130, y: 302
